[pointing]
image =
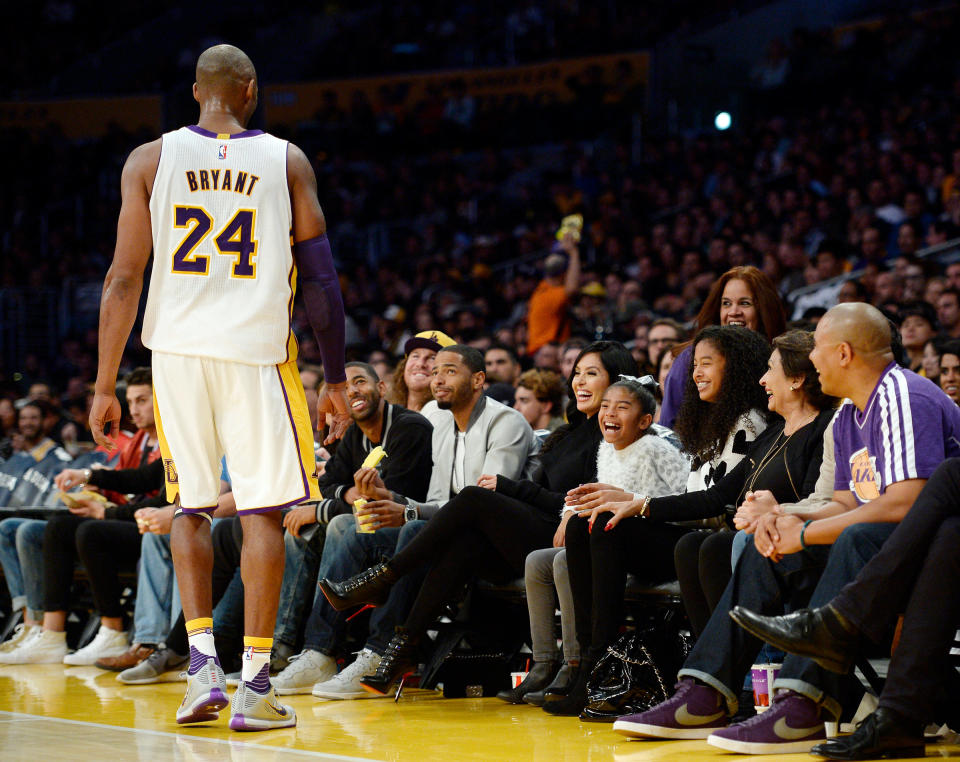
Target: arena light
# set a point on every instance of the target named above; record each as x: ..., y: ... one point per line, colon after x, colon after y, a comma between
x: 722, y: 121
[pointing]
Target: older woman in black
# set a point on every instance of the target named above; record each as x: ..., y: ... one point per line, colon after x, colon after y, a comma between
x: 488, y: 530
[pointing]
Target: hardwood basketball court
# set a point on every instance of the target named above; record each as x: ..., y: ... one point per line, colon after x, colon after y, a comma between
x: 49, y: 712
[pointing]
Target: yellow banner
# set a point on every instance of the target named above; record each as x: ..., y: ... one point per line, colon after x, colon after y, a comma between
x: 86, y: 117
x: 288, y: 104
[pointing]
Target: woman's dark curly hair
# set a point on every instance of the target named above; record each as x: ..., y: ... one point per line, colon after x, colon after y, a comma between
x: 703, y: 427
x: 616, y: 360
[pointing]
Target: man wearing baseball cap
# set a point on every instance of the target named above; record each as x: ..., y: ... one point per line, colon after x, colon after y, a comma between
x: 411, y: 379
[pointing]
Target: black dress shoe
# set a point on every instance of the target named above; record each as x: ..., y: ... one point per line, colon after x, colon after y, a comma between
x: 819, y: 634
x: 885, y: 733
x: 560, y: 687
x: 538, y: 678
x: 371, y: 587
x: 399, y: 660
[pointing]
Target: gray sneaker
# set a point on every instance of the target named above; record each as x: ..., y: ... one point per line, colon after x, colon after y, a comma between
x: 303, y: 672
x: 162, y: 666
x: 257, y: 711
x: 346, y: 684
x: 206, y: 693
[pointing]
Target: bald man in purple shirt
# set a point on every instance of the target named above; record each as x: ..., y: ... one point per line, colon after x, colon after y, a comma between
x: 890, y: 435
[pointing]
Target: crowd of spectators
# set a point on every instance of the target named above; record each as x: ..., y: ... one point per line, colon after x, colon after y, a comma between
x: 853, y: 181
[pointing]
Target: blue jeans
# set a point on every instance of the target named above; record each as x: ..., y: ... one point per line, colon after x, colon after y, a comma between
x: 724, y: 652
x: 21, y: 555
x: 299, y: 578
x: 158, y: 597
x: 347, y: 552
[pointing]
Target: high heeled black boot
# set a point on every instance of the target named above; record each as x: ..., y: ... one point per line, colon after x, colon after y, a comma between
x: 566, y: 678
x: 371, y: 587
x: 576, y: 699
x: 399, y: 660
x: 537, y: 678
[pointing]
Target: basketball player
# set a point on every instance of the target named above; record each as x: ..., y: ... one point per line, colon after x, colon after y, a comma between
x: 224, y: 204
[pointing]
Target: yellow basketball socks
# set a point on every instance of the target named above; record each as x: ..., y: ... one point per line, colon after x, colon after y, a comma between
x: 200, y: 638
x: 256, y: 663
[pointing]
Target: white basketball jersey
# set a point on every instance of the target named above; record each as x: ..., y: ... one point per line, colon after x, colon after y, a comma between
x: 223, y: 275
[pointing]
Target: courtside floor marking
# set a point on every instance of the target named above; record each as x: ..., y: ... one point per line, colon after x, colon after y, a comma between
x: 6, y: 716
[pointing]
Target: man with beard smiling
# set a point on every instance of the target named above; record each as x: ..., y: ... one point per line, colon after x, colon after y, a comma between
x: 472, y: 435
x: 405, y: 436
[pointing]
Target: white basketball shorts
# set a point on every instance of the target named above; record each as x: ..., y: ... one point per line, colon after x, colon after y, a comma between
x: 255, y: 415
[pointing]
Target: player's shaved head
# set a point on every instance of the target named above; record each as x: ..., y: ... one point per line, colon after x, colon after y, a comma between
x: 860, y: 325
x: 224, y: 68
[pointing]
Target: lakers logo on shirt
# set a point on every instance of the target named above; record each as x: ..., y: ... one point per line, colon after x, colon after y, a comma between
x: 863, y: 476
x: 170, y: 470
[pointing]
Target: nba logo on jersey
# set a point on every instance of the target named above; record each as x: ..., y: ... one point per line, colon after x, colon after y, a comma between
x: 222, y: 152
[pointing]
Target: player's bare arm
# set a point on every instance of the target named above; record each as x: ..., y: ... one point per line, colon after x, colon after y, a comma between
x: 322, y: 299
x: 123, y: 284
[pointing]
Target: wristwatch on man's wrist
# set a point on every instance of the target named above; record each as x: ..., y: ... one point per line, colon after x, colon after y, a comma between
x: 410, y: 513
x: 87, y: 473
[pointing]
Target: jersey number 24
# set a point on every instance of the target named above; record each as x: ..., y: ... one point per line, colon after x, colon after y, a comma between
x: 235, y: 240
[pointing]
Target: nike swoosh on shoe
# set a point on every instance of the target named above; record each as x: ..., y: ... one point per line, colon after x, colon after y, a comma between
x: 686, y: 719
x: 787, y: 733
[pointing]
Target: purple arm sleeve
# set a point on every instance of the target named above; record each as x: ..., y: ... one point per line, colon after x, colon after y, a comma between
x: 323, y: 302
x: 673, y: 388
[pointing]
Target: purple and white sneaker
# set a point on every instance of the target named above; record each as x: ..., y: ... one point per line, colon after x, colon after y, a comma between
x: 694, y: 711
x: 259, y: 711
x: 791, y: 725
x: 206, y: 690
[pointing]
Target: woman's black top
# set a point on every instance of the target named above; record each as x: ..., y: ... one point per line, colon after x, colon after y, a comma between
x: 570, y: 463
x: 787, y: 466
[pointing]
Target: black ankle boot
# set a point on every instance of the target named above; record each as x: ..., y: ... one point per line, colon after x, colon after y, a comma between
x: 399, y: 660
x: 537, y: 678
x: 370, y: 587
x: 560, y: 687
x: 576, y: 699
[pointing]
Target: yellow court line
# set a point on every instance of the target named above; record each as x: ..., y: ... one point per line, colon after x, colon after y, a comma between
x: 6, y: 716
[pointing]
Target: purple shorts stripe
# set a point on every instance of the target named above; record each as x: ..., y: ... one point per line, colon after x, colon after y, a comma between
x: 268, y: 508
x: 207, y: 509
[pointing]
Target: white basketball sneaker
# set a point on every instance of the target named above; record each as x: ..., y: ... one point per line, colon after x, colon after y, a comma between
x: 107, y: 643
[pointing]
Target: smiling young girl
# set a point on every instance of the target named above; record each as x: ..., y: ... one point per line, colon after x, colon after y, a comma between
x: 627, y: 457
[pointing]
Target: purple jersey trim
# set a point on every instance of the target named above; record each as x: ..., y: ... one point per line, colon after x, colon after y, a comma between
x: 206, y: 509
x: 210, y: 134
x: 861, y: 418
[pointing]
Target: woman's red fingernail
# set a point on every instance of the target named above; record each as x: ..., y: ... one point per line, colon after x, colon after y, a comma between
x: 589, y: 527
x: 607, y: 528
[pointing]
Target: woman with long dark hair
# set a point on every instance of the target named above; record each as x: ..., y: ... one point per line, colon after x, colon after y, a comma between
x: 742, y: 296
x: 488, y: 530
x: 724, y: 410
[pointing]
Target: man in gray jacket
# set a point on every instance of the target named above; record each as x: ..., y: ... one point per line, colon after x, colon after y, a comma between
x: 472, y: 435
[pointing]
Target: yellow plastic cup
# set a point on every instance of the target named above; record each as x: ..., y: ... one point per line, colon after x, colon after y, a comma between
x: 363, y: 522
